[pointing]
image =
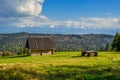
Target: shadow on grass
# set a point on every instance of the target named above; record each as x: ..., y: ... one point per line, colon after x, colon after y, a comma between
x: 15, y: 56
x: 77, y: 56
x: 60, y: 73
x: 117, y: 52
x: 59, y: 56
x: 83, y: 56
x: 82, y: 73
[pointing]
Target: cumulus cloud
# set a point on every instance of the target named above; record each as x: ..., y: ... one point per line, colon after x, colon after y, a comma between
x: 27, y: 13
x: 20, y: 8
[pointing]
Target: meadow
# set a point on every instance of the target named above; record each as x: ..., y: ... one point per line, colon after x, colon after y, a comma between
x: 61, y: 66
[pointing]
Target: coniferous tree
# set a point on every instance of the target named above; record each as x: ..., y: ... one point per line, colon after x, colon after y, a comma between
x: 107, y: 48
x: 116, y: 43
x: 118, y: 46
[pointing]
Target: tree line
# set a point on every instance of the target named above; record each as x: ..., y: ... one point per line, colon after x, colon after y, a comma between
x: 63, y: 42
x: 115, y: 46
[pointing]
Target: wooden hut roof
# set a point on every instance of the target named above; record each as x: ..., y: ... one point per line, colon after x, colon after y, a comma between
x: 40, y: 43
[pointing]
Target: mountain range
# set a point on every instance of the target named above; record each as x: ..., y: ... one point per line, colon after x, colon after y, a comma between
x: 15, y: 42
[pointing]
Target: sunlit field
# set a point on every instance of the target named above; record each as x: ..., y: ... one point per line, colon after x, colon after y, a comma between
x: 61, y: 66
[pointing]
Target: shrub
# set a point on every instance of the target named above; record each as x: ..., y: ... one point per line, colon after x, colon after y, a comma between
x: 7, y: 53
x: 1, y: 54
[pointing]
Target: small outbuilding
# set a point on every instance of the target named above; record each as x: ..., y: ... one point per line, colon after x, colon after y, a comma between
x: 40, y: 45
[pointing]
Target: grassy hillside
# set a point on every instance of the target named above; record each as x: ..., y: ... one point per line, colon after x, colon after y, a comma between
x: 61, y: 66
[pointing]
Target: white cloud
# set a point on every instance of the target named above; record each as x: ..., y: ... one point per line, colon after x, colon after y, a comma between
x: 91, y: 23
x: 13, y: 8
x: 27, y: 13
x: 101, y: 23
x: 39, y: 21
x: 83, y: 23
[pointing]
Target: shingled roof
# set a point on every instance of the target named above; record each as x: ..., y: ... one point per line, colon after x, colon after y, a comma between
x: 38, y: 43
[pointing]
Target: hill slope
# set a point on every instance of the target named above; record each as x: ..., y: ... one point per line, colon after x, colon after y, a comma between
x: 15, y: 42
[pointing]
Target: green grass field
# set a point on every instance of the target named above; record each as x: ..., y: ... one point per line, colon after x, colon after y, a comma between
x: 61, y: 66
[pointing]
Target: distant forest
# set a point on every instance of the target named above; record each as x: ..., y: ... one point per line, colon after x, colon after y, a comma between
x: 63, y: 42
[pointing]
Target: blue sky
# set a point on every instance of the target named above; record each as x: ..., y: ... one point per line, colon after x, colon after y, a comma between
x: 81, y: 8
x: 60, y: 16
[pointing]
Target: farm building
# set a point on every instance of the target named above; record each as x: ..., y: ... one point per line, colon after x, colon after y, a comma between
x: 40, y: 45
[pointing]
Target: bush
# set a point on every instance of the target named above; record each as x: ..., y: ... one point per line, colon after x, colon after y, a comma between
x: 1, y: 54
x: 7, y: 53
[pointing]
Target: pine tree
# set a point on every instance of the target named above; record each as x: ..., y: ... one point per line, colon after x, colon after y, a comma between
x: 107, y: 48
x: 116, y: 43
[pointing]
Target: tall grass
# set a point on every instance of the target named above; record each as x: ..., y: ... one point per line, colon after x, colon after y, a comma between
x: 61, y: 66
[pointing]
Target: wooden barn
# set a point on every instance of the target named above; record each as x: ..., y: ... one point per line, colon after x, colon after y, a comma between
x: 40, y: 45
